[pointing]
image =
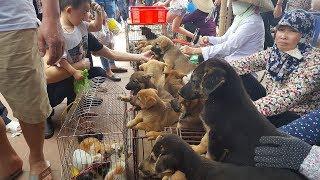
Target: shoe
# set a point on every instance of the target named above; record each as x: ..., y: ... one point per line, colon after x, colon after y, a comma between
x: 49, y: 129
x: 119, y: 70
x: 43, y: 175
x: 114, y: 78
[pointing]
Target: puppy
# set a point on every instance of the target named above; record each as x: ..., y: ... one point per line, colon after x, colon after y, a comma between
x: 147, y: 32
x: 155, y: 68
x: 173, y: 82
x: 190, y: 114
x: 155, y: 114
x: 234, y: 122
x: 171, y: 154
x: 172, y: 55
x: 92, y: 145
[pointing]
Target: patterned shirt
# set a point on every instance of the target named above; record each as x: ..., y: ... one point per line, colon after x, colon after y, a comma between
x: 299, y: 93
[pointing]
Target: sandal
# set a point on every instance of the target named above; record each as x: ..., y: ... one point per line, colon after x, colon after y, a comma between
x: 44, y: 174
x: 114, y: 78
x: 13, y: 127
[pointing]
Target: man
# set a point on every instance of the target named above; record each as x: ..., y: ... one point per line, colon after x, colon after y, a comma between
x: 22, y: 79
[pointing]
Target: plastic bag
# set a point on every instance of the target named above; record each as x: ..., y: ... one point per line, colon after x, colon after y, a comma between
x: 82, y: 84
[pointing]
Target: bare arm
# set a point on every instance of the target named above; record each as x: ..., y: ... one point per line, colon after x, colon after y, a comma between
x: 66, y: 65
x: 50, y: 32
x: 96, y: 25
x: 121, y: 56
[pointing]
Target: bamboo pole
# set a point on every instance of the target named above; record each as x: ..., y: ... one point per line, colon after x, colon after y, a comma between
x: 229, y: 14
x: 223, y: 15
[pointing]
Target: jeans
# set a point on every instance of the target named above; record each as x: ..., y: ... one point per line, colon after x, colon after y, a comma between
x: 106, y: 63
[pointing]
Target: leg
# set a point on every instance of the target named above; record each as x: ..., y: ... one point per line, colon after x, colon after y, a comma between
x: 253, y: 87
x: 107, y: 66
x: 134, y: 122
x: 9, y: 160
x: 203, y: 146
x: 306, y: 128
x: 283, y: 118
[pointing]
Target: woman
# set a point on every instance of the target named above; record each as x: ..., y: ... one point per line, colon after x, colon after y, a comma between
x: 292, y: 70
x: 244, y: 37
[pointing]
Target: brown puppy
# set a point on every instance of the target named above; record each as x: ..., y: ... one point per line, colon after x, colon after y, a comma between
x: 155, y: 114
x: 155, y: 68
x: 92, y: 145
x: 190, y: 114
x: 172, y: 55
x: 173, y: 82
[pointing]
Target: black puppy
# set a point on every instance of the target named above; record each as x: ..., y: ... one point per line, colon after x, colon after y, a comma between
x: 170, y: 154
x: 148, y: 33
x: 234, y: 121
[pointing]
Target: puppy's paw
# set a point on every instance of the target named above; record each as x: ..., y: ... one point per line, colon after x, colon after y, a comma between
x: 152, y: 135
x: 199, y: 149
x: 131, y: 124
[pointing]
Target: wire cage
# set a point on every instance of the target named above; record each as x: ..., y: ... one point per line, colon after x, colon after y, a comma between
x: 93, y: 140
x: 142, y: 147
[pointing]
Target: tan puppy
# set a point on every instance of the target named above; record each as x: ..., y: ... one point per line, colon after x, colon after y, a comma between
x: 173, y: 82
x: 92, y: 145
x: 155, y: 114
x: 172, y: 55
x: 190, y: 114
x: 155, y: 68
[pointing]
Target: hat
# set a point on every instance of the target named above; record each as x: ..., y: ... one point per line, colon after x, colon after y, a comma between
x: 265, y: 5
x: 203, y: 5
x: 301, y: 21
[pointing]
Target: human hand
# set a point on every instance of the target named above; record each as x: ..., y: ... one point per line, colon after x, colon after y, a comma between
x: 146, y: 56
x: 77, y: 75
x: 277, y: 11
x: 203, y: 41
x: 50, y: 37
x: 159, y: 4
x: 187, y: 50
x: 96, y: 7
x: 281, y: 152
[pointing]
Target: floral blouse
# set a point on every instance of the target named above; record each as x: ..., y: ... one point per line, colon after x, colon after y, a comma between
x: 299, y: 93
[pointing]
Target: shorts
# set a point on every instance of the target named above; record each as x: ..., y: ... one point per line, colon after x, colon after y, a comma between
x: 22, y: 77
x: 178, y: 12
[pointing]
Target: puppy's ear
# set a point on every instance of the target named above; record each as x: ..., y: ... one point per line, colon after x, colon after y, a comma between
x: 166, y: 164
x: 149, y: 102
x: 211, y: 80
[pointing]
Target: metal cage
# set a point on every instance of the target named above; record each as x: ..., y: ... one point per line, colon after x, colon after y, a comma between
x: 96, y: 113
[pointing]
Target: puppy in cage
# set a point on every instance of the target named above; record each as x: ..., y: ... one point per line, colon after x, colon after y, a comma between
x: 155, y: 113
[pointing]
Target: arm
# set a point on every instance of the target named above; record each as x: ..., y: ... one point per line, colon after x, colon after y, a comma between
x: 306, y: 81
x: 233, y: 41
x: 254, y: 63
x: 96, y: 25
x: 162, y: 3
x: 278, y: 9
x: 77, y: 74
x: 50, y: 32
x: 121, y: 56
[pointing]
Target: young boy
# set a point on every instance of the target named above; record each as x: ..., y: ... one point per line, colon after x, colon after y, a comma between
x: 73, y: 12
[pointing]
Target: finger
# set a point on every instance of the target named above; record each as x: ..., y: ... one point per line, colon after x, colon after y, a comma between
x: 52, y: 51
x: 266, y: 151
x: 41, y: 45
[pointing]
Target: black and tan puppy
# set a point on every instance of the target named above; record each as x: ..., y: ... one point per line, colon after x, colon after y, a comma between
x: 171, y: 154
x: 235, y: 122
x: 172, y: 55
x: 173, y: 82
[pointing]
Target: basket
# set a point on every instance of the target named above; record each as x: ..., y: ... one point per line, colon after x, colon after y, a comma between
x: 144, y: 15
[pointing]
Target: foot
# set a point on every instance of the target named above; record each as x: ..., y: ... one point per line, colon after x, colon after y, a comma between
x: 199, y: 149
x: 114, y: 78
x: 49, y: 129
x: 40, y: 170
x: 12, y: 167
x: 116, y: 69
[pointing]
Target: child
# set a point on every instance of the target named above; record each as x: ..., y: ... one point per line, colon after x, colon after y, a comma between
x: 176, y: 12
x: 73, y: 13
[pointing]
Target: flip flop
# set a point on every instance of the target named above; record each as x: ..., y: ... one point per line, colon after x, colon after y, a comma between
x: 15, y: 175
x: 45, y: 173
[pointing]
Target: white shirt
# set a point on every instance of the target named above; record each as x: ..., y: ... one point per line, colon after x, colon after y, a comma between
x: 17, y: 15
x: 76, y: 43
x: 178, y: 4
x: 246, y: 40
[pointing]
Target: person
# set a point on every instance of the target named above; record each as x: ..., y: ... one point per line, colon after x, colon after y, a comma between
x: 289, y: 5
x: 110, y: 9
x: 76, y: 32
x: 289, y: 153
x: 292, y: 69
x: 198, y: 18
x: 22, y: 80
x: 306, y: 128
x: 244, y: 37
x: 177, y: 10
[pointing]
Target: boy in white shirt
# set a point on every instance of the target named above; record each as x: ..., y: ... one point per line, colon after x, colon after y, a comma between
x: 75, y: 31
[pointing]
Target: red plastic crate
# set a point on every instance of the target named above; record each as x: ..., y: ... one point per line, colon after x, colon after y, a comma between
x: 148, y: 15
